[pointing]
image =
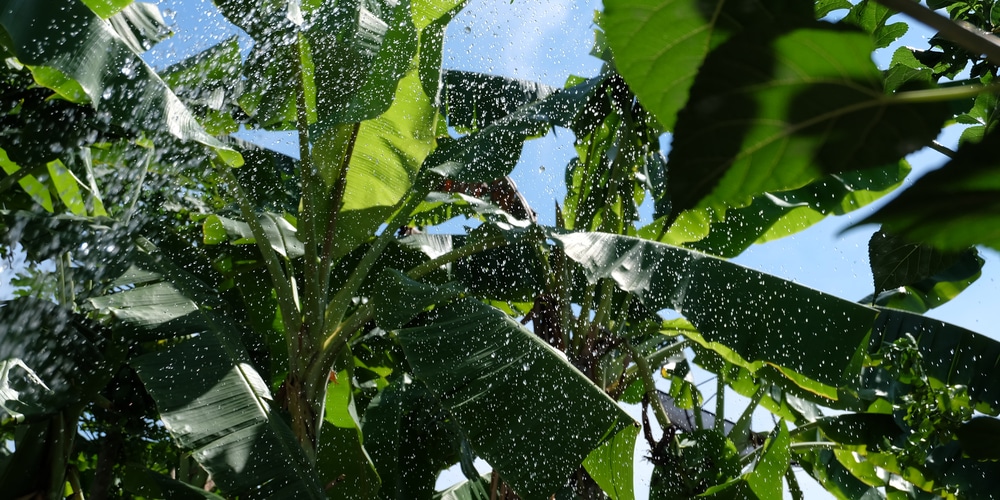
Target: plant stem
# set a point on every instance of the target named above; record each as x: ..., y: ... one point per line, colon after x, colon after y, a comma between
x: 965, y: 34
x: 464, y: 251
x: 720, y: 403
x: 793, y: 484
x: 604, y: 306
x: 336, y: 199
x: 740, y: 433
x: 130, y: 211
x: 940, y: 148
x: 651, y: 392
x: 282, y: 286
x: 66, y: 294
x: 656, y: 358
x: 942, y: 94
x: 313, y: 294
x: 337, y: 307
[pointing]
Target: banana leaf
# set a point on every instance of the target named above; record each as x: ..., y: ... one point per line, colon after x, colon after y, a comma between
x: 79, y: 55
x: 760, y: 318
x: 210, y: 397
x: 521, y: 405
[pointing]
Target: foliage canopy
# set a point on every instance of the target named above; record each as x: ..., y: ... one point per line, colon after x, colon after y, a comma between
x: 201, y: 317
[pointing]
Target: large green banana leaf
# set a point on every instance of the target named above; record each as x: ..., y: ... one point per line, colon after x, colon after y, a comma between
x: 210, y: 397
x: 410, y: 439
x: 521, y: 405
x: 50, y: 357
x: 357, y: 51
x: 951, y: 355
x: 79, y: 55
x: 388, y: 153
x: 475, y: 100
x: 762, y: 318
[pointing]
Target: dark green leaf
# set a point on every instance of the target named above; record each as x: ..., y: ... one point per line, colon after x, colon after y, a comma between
x: 980, y: 438
x: 935, y: 290
x: 872, y: 16
x: 50, y: 358
x: 775, y: 215
x: 808, y: 103
x: 825, y: 7
x: 209, y: 396
x: 410, y: 438
x: 492, y: 151
x: 871, y: 430
x: 360, y: 50
x: 906, y: 70
x: 951, y: 355
x: 400, y: 299
x: 834, y: 477
x: 67, y: 36
x: 698, y: 461
x: 150, y: 484
x: 523, y: 407
x: 760, y: 317
x: 896, y: 262
x: 476, y: 100
x: 954, y: 207
x: 508, y: 272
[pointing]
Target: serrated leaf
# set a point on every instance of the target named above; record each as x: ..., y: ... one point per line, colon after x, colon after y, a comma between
x: 871, y: 17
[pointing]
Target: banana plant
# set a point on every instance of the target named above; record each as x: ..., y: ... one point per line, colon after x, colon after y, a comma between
x: 239, y: 367
x: 299, y: 333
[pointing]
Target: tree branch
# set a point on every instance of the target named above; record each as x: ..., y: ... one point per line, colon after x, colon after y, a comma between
x: 965, y: 34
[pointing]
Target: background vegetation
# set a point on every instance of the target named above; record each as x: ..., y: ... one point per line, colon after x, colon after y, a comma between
x: 202, y: 317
